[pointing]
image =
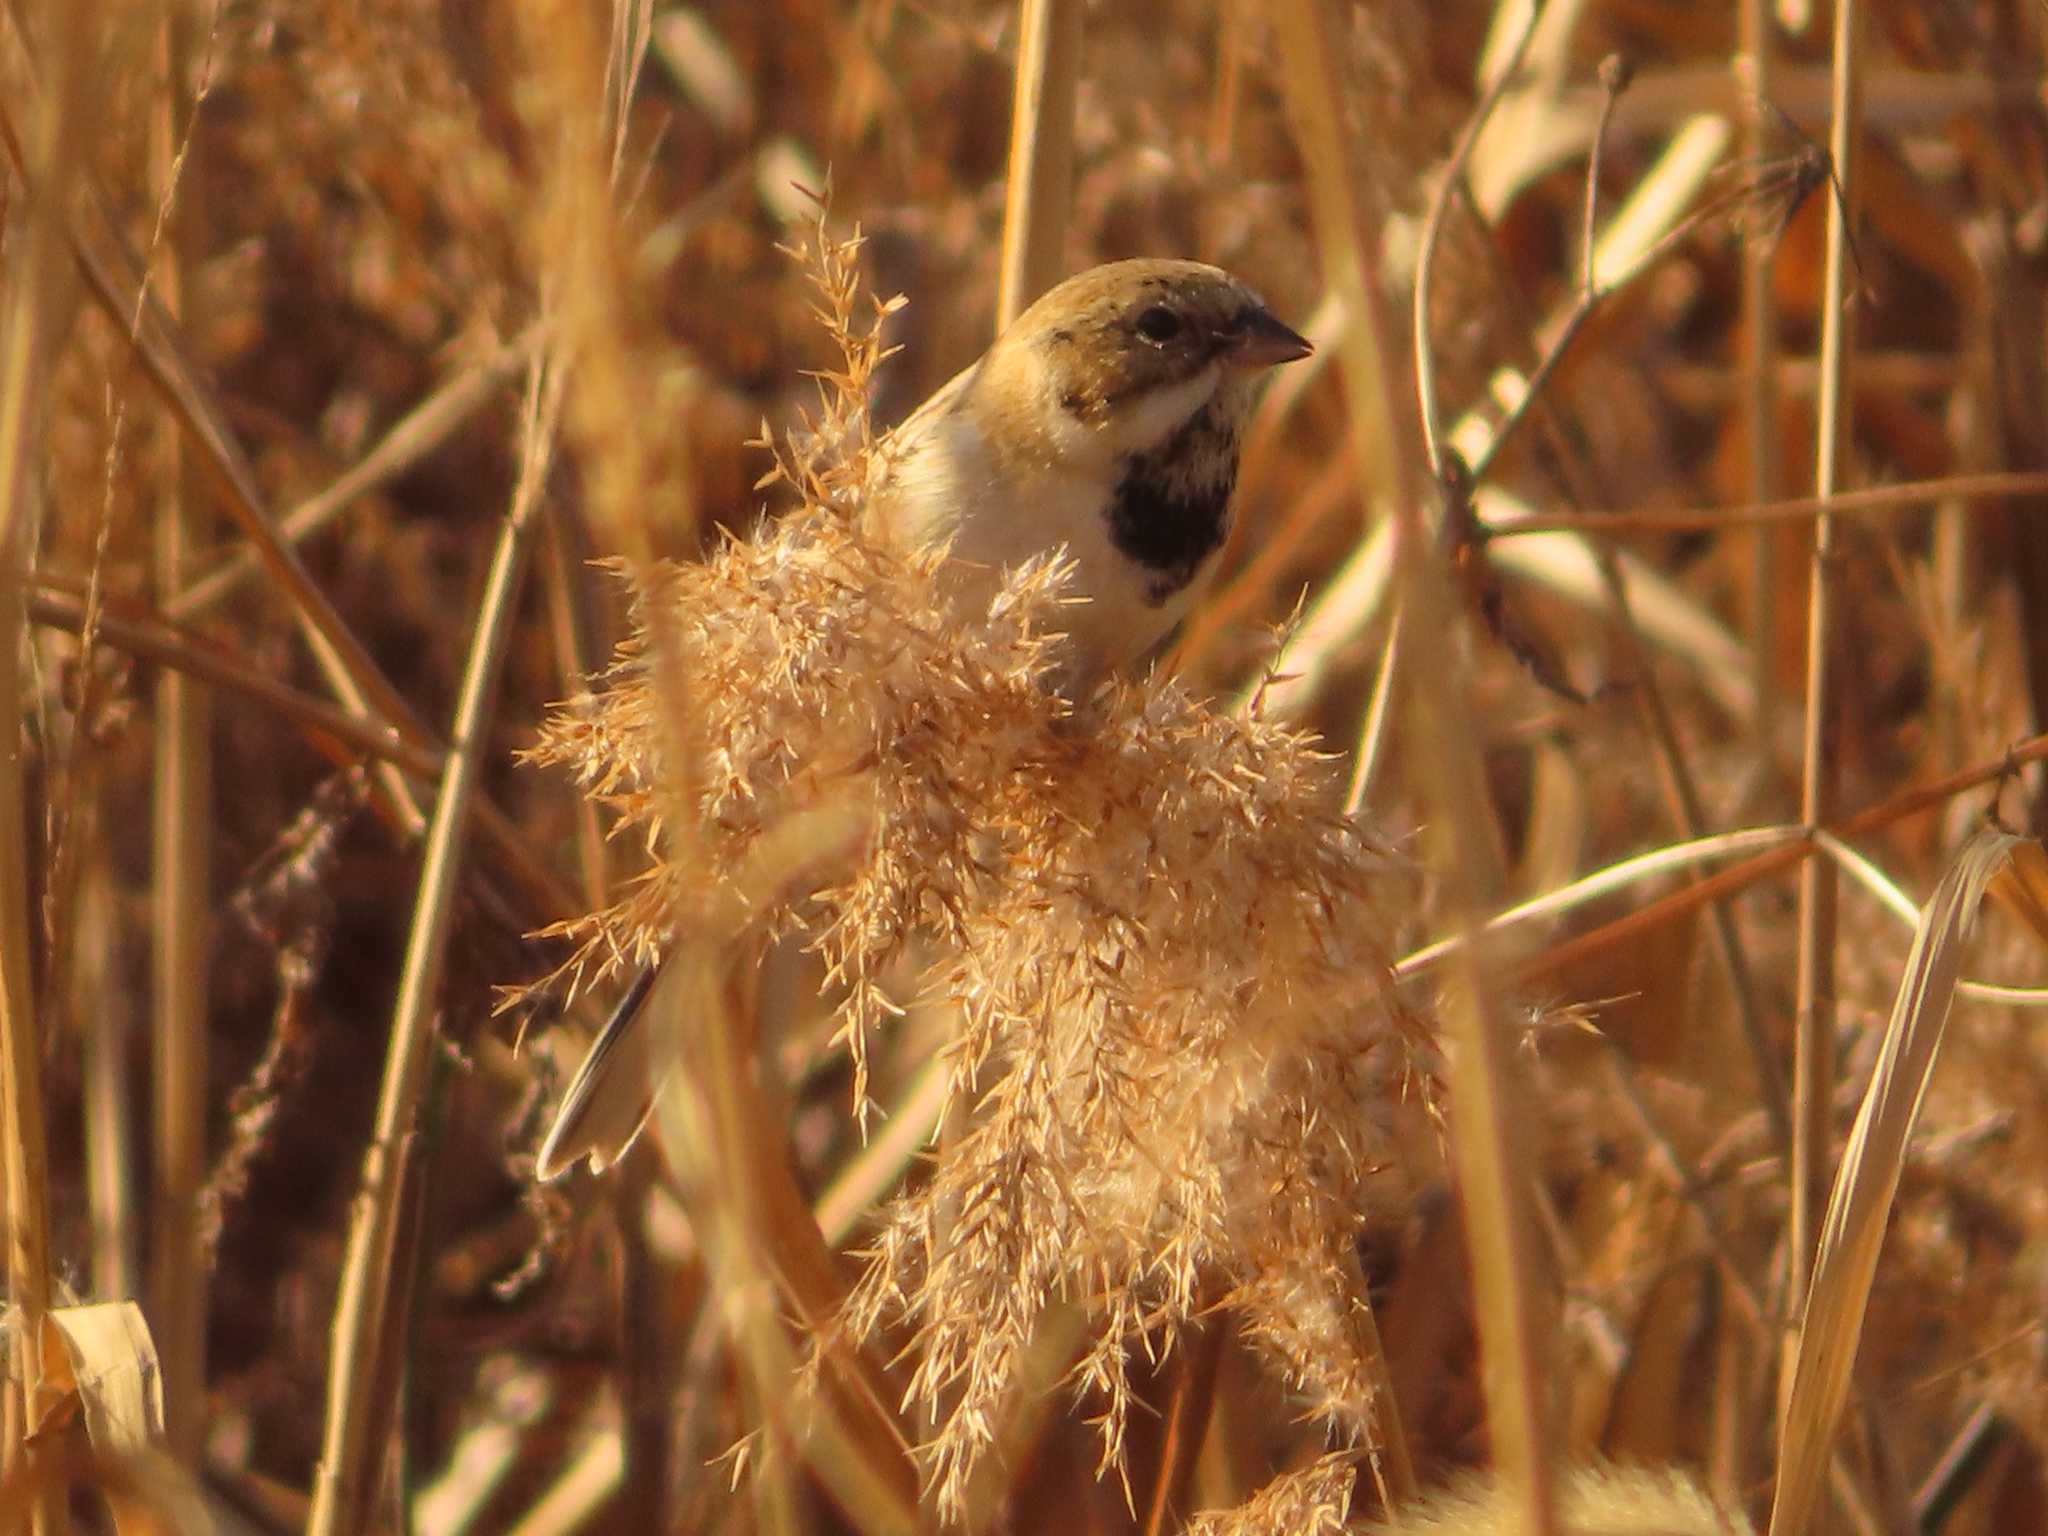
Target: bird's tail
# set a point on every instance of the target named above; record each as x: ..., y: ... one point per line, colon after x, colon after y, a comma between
x: 609, y: 1097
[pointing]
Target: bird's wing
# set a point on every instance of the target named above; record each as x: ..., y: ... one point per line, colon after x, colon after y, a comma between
x: 608, y: 1099
x: 903, y: 440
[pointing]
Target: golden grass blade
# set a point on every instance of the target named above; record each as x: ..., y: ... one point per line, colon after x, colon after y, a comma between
x: 1900, y: 905
x: 30, y: 306
x: 1885, y: 813
x: 370, y: 1315
x: 1528, y: 52
x: 1041, y: 153
x: 415, y: 435
x: 765, y: 1250
x: 1666, y: 616
x: 1591, y: 887
x: 1869, y: 501
x: 1461, y: 846
x: 1315, y: 646
x: 111, y: 275
x: 103, y: 1355
x: 1853, y: 1229
x: 881, y: 1163
x: 2022, y: 886
x: 578, y: 1496
x: 1813, y: 1075
x: 1353, y: 597
x: 181, y: 853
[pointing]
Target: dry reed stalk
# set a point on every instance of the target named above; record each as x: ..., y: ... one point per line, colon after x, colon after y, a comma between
x: 330, y: 731
x: 105, y: 1024
x: 1677, y: 779
x: 414, y: 436
x: 1864, y: 1188
x: 371, y: 1322
x: 1189, y: 1408
x: 1813, y: 1068
x: 577, y: 658
x: 579, y: 97
x: 1367, y: 753
x: 1758, y: 327
x: 328, y: 728
x: 1989, y: 486
x: 1491, y: 1178
x: 30, y: 306
x: 1040, y: 185
x: 764, y: 1249
x: 1800, y: 845
x: 357, y: 683
x: 1308, y: 52
x: 572, y: 84
x: 182, y: 851
x: 112, y: 277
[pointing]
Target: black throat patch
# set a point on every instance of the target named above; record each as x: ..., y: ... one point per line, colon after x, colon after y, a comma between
x: 1171, y: 509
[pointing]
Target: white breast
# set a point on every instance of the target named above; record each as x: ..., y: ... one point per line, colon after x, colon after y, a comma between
x: 936, y: 484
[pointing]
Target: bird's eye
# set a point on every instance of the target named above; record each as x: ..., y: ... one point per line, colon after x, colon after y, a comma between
x: 1159, y: 324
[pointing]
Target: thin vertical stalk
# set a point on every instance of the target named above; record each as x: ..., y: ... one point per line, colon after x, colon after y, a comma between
x: 1681, y: 792
x: 1491, y: 1176
x: 31, y: 295
x: 410, y: 439
x: 104, y: 262
x: 1393, y: 1469
x: 1759, y: 356
x: 1041, y: 176
x: 180, y: 835
x: 1813, y: 1073
x: 1232, y: 44
x: 1372, y: 732
x: 105, y: 1024
x: 577, y: 654
x: 1494, y: 1198
x: 370, y: 1314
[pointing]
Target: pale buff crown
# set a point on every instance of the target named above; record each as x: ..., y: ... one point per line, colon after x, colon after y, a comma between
x: 1105, y: 422
x: 1117, y: 357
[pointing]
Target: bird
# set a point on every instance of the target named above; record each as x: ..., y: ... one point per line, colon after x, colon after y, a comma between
x: 1104, y: 423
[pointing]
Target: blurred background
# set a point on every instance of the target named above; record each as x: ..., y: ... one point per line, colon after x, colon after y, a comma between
x: 353, y: 229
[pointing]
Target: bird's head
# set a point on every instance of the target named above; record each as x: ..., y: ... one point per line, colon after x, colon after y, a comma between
x: 1114, y: 361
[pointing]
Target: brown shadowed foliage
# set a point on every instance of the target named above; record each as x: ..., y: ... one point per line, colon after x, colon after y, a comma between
x: 436, y: 590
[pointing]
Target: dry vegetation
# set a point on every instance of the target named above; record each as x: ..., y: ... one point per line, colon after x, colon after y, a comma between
x: 1117, y: 1122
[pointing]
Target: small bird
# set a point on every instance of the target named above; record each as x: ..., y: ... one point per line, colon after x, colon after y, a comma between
x: 1104, y: 421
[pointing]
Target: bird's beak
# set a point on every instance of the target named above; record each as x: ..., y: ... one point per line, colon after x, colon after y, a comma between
x: 1263, y: 342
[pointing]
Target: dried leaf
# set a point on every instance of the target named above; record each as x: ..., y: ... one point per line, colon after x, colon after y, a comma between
x: 1868, y: 1179
x: 2022, y: 885
x: 100, y: 1359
